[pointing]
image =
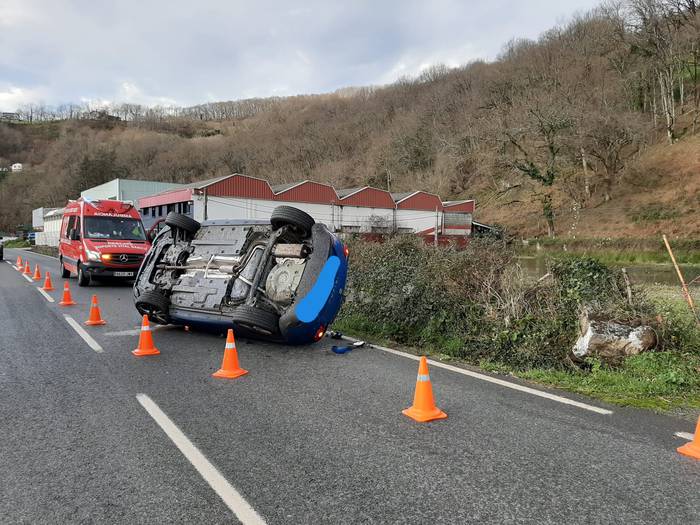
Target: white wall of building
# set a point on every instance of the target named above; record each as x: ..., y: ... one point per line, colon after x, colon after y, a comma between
x: 52, y: 228
x: 349, y: 219
x: 418, y: 220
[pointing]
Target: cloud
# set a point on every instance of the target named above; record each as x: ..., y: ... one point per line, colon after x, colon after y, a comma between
x: 175, y: 52
x: 13, y: 97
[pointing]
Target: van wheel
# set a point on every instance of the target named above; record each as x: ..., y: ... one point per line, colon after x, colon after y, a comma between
x: 83, y: 278
x: 65, y: 272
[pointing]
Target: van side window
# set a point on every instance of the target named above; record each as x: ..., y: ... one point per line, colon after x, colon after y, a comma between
x: 77, y: 225
x: 69, y: 225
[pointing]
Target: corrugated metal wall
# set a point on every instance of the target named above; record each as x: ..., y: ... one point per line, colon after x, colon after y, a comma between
x: 370, y: 198
x: 309, y: 191
x: 241, y: 186
x: 421, y: 201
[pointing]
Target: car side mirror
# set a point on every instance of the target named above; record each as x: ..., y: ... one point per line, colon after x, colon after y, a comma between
x: 74, y: 235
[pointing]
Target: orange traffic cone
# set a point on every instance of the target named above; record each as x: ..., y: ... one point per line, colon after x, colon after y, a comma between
x: 230, y: 369
x: 95, y: 315
x: 37, y: 273
x: 424, y: 408
x: 27, y: 269
x: 692, y: 449
x: 18, y: 264
x: 67, y: 298
x: 145, y: 340
x: 48, y: 285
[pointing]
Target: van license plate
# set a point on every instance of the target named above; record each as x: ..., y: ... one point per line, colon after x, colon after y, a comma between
x: 123, y: 274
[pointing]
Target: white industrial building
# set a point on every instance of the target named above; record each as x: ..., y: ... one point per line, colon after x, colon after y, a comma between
x: 356, y: 210
x: 51, y: 227
x: 47, y: 221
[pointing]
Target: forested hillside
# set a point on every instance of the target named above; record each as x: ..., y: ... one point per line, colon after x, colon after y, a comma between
x: 589, y: 131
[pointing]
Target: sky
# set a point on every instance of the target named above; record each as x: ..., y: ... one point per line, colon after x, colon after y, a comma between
x: 172, y: 52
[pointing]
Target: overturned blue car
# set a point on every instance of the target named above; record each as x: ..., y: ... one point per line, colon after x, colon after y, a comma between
x: 282, y: 280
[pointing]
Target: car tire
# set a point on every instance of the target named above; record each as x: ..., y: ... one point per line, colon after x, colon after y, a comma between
x: 178, y: 220
x: 83, y: 278
x: 155, y: 305
x: 65, y: 272
x: 300, y: 221
x: 256, y: 320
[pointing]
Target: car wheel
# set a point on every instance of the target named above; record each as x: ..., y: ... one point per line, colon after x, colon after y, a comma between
x: 65, y: 272
x: 256, y: 320
x: 155, y: 305
x: 83, y: 277
x: 178, y: 220
x: 300, y: 221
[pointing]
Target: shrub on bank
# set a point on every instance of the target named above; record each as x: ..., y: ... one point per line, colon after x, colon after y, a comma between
x: 475, y: 304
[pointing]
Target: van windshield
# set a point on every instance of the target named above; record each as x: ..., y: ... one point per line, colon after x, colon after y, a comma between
x: 114, y: 228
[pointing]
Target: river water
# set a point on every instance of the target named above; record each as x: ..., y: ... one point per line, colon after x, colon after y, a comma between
x: 639, y: 273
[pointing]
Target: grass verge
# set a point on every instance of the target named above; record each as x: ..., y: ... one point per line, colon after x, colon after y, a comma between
x: 46, y: 250
x: 661, y: 381
x: 17, y: 243
x: 617, y: 251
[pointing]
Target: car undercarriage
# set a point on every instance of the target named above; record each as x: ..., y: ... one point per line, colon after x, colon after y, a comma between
x: 247, y: 273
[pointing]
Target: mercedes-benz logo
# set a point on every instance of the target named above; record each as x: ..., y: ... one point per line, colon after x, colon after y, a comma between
x: 123, y: 257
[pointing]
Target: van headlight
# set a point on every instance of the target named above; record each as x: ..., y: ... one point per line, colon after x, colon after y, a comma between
x: 92, y: 256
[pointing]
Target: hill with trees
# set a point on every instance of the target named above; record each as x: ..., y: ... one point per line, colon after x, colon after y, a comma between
x: 590, y: 131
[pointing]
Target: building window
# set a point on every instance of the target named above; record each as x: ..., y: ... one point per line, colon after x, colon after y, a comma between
x: 351, y: 229
x: 160, y: 211
x: 456, y: 219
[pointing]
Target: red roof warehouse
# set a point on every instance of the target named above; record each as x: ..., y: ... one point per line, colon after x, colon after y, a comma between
x: 363, y: 209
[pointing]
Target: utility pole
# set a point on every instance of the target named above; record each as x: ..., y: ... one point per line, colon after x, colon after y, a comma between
x: 437, y: 220
x: 206, y: 202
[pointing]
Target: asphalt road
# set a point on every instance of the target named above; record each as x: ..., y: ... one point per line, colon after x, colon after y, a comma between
x: 307, y: 436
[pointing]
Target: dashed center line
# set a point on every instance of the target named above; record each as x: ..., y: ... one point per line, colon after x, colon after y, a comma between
x: 27, y: 278
x: 82, y: 333
x: 46, y: 296
x: 230, y: 496
x: 685, y: 435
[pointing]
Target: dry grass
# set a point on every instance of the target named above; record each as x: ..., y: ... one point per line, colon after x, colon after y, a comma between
x: 664, y: 178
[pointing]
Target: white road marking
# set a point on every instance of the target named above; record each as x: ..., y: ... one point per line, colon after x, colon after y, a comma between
x: 82, y: 333
x: 685, y: 435
x: 137, y: 331
x: 27, y: 278
x: 47, y: 296
x: 494, y: 380
x: 8, y: 262
x: 231, y: 497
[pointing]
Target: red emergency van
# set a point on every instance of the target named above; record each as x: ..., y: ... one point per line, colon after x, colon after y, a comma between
x: 101, y: 238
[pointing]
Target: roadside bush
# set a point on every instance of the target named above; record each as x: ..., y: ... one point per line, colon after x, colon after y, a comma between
x: 475, y: 304
x: 17, y: 243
